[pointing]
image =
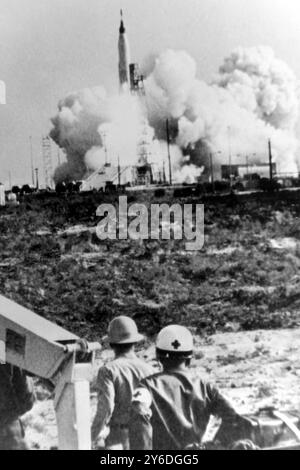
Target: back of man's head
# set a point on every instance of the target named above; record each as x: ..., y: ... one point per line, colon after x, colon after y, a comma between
x: 122, y: 348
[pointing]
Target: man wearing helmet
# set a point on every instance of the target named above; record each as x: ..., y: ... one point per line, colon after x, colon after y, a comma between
x: 116, y: 383
x: 171, y: 409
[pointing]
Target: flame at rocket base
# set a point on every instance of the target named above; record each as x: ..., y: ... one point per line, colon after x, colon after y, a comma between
x: 124, y: 57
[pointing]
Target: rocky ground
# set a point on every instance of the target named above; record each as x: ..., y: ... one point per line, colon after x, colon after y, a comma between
x: 252, y: 369
x: 240, y: 294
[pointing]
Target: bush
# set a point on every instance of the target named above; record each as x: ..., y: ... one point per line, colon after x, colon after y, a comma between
x: 159, y: 193
x: 265, y: 184
x: 184, y: 192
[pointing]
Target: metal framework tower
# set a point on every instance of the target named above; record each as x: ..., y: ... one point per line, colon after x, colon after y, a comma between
x: 47, y: 158
x: 136, y: 80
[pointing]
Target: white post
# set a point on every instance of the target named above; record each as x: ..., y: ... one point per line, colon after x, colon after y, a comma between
x: 72, y: 407
x: 2, y: 195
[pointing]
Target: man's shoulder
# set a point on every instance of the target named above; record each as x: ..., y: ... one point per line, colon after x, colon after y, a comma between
x: 144, y: 365
x: 166, y: 374
x: 186, y: 378
x: 134, y: 361
x: 152, y: 378
x: 112, y: 367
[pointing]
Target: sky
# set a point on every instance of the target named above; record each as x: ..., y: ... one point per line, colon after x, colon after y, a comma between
x: 49, y: 48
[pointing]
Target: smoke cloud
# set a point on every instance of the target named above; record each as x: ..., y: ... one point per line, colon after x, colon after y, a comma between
x: 252, y: 98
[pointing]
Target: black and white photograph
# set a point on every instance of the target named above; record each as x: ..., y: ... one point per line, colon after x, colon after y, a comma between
x: 149, y: 227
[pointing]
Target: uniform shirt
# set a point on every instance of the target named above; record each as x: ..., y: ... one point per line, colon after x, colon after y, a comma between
x: 116, y: 382
x: 171, y: 410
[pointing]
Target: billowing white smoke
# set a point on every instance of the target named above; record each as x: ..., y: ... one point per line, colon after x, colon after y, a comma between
x: 262, y: 84
x: 94, y: 128
x: 120, y: 133
x: 76, y: 129
x: 187, y: 173
x: 251, y: 99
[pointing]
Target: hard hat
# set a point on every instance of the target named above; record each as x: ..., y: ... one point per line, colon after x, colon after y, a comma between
x: 122, y: 330
x: 175, y: 339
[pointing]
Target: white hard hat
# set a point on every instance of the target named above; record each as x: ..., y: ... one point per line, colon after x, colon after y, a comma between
x: 175, y: 339
x: 122, y: 330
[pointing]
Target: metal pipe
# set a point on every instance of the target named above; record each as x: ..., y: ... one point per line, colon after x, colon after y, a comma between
x: 270, y: 160
x: 169, y: 154
x: 37, y: 178
x: 212, y: 172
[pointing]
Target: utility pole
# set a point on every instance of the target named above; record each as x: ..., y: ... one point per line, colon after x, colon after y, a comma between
x: 106, y: 159
x: 9, y: 179
x: 212, y: 172
x: 229, y: 154
x: 31, y: 158
x: 37, y: 178
x: 270, y: 160
x: 119, y: 172
x: 169, y: 154
x: 104, y: 142
x: 164, y: 173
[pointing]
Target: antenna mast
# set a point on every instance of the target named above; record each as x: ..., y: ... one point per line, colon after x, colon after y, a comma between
x: 169, y: 153
x: 47, y: 158
x: 31, y: 160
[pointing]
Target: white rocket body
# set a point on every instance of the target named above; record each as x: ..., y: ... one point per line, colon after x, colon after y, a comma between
x: 124, y: 59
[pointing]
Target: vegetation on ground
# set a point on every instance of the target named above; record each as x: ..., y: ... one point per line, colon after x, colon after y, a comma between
x: 245, y: 277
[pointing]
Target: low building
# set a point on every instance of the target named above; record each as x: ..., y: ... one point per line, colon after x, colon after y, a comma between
x: 143, y: 174
x: 245, y: 171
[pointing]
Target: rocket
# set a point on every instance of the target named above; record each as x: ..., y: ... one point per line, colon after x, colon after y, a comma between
x: 124, y: 57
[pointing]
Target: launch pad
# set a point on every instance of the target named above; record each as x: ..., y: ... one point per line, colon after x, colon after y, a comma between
x: 143, y: 173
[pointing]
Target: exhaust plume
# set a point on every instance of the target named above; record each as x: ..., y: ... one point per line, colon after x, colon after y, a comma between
x: 252, y: 98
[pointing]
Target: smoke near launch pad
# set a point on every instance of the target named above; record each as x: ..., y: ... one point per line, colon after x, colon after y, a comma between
x: 252, y: 98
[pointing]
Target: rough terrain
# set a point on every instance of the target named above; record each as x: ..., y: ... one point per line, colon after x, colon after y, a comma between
x: 240, y: 294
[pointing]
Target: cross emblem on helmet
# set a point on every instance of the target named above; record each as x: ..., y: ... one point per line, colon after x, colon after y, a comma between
x: 176, y: 344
